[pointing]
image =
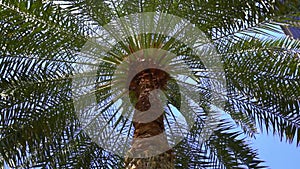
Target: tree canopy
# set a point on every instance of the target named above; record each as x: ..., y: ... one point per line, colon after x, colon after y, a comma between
x: 40, y: 44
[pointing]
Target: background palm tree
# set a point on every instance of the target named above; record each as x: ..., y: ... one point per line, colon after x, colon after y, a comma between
x: 39, y: 45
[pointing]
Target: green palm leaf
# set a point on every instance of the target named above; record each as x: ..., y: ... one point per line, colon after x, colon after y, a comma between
x: 39, y: 48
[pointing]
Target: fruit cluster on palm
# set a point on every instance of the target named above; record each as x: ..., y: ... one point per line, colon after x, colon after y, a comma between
x: 41, y: 46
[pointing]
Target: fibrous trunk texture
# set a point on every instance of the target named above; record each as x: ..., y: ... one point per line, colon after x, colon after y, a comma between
x: 150, y: 148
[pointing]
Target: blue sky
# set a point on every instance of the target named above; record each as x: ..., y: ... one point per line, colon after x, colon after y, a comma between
x: 278, y: 155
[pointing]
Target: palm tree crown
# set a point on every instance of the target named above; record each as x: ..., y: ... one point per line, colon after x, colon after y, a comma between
x: 75, y: 89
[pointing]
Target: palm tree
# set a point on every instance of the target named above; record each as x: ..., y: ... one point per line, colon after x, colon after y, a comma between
x: 46, y: 51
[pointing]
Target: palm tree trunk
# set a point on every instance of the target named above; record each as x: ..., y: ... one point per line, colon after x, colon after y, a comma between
x: 150, y: 148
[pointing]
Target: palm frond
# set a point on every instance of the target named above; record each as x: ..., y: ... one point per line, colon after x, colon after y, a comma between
x: 40, y: 44
x: 267, y: 90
